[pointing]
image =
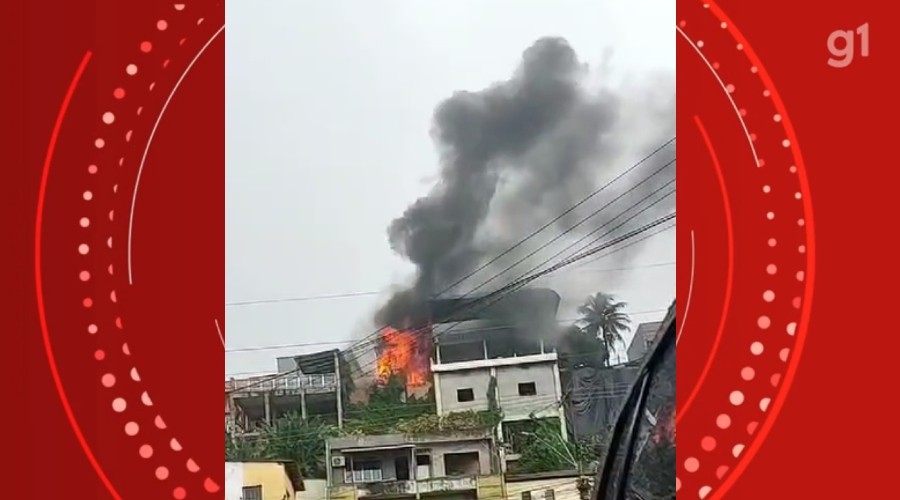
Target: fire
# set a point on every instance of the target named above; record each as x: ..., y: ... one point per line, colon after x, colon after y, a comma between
x: 403, y: 353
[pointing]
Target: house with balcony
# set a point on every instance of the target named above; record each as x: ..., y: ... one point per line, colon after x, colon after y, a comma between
x: 458, y: 465
x: 498, y: 355
x: 309, y: 385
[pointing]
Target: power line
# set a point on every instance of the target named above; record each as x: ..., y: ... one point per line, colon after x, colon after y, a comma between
x: 559, y: 217
x: 301, y: 299
x: 309, y: 298
x: 497, y: 295
x: 494, y: 297
x: 585, y: 219
x: 276, y: 347
x: 373, y: 335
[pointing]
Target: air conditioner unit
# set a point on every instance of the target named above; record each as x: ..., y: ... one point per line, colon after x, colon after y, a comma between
x: 337, y: 462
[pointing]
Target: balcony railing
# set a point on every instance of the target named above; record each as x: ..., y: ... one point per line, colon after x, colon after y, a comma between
x: 442, y: 484
x: 400, y: 488
x: 292, y: 383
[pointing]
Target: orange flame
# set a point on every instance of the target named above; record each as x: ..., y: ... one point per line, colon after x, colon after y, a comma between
x: 403, y: 354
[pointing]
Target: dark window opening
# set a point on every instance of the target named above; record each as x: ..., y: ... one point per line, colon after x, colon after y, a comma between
x: 401, y: 466
x: 465, y: 395
x: 527, y: 389
x: 526, y: 495
x: 455, y: 353
x: 506, y: 344
x: 461, y: 464
x: 549, y: 495
x: 423, y: 459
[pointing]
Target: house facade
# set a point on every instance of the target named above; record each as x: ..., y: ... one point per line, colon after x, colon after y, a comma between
x: 307, y: 385
x: 262, y: 480
x: 557, y: 485
x: 501, y: 361
x: 453, y: 465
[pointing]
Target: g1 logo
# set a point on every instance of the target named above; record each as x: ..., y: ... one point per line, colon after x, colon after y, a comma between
x: 841, y: 46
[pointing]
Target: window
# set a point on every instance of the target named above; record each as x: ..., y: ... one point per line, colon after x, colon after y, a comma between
x: 423, y: 466
x: 526, y: 495
x: 252, y: 493
x: 527, y: 389
x: 364, y: 472
x: 465, y: 395
x: 461, y: 464
x: 549, y: 495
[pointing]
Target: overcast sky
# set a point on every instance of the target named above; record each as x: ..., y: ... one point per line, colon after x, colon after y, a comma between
x: 320, y: 158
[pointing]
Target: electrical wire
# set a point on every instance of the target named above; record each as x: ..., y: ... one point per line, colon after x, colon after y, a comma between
x: 369, y: 338
x: 377, y: 331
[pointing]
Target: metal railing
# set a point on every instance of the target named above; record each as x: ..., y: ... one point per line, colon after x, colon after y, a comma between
x: 289, y: 383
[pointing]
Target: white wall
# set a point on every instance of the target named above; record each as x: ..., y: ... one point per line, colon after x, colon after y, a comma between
x: 508, y: 380
x: 315, y: 490
x: 234, y: 481
x: 477, y: 380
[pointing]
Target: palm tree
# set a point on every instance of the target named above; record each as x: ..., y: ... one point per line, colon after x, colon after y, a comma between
x: 603, y: 319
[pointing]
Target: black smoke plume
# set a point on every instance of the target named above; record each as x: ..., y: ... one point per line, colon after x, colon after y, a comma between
x: 514, y: 156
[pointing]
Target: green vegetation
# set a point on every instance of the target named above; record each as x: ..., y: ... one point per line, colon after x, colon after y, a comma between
x: 387, y: 405
x: 390, y: 409
x: 290, y: 437
x: 592, y: 340
x: 543, y: 449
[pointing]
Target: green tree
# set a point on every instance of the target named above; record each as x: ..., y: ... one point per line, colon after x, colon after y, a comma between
x: 302, y: 440
x: 544, y: 450
x: 387, y: 405
x: 238, y: 448
x: 603, y: 318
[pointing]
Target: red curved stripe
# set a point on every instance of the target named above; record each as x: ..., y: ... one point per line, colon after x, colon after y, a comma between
x: 806, y: 310
x: 729, y: 277
x: 38, y: 226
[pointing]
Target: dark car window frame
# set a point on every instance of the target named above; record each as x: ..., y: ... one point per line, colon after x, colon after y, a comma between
x: 616, y: 470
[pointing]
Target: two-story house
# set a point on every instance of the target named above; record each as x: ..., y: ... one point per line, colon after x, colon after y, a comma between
x: 499, y: 356
x: 459, y: 465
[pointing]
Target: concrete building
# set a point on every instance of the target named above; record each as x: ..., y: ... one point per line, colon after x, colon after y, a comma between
x: 558, y: 485
x: 642, y: 340
x: 262, y: 480
x: 499, y: 356
x: 457, y: 465
x: 309, y: 385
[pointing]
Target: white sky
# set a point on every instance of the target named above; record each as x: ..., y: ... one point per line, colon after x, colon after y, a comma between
x: 314, y: 138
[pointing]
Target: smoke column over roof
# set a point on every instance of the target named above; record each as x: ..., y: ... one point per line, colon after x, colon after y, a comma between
x: 516, y: 155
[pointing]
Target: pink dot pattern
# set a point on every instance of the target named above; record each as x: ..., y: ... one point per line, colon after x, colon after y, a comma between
x: 109, y: 381
x: 770, y: 334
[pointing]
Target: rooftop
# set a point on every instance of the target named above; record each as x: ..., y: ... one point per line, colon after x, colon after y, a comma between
x: 396, y: 441
x: 531, y: 303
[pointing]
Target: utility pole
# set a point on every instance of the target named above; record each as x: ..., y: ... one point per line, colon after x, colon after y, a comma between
x: 338, y: 378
